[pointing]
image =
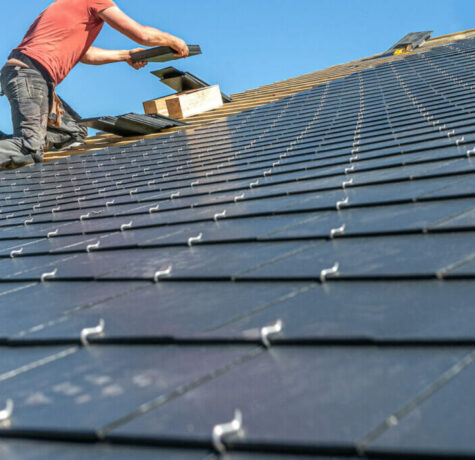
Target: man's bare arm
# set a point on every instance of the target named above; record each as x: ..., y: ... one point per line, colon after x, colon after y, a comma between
x: 99, y: 56
x: 143, y: 35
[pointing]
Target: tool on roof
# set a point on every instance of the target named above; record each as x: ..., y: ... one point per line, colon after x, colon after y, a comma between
x: 409, y: 42
x: 162, y: 54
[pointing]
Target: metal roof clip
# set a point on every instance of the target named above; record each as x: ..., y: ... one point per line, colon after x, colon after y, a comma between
x: 195, y: 239
x: 17, y: 252
x: 90, y: 331
x: 174, y: 195
x: 154, y: 209
x: 219, y: 215
x: 337, y: 231
x: 342, y: 203
x: 329, y: 271
x: 109, y: 203
x: 226, y: 429
x: 161, y: 273
x: 125, y: 227
x: 91, y: 247
x: 85, y: 216
x: 239, y: 197
x: 50, y: 234
x: 470, y: 152
x: 5, y: 414
x: 347, y: 183
x: 48, y: 276
x: 28, y: 221
x: 268, y: 331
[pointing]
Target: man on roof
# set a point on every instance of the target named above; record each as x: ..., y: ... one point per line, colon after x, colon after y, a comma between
x: 61, y: 37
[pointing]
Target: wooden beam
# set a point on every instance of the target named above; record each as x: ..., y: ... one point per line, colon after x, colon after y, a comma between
x: 187, y: 103
x: 157, y: 106
x: 194, y: 102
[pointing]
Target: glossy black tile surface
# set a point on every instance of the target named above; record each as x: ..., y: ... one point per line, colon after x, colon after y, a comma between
x: 310, y: 262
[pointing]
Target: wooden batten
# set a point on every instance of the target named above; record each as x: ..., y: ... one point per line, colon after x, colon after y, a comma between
x: 186, y: 104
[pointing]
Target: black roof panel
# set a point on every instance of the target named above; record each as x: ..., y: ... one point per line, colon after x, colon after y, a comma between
x: 309, y: 263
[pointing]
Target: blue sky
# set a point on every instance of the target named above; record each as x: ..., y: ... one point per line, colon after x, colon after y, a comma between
x: 246, y: 43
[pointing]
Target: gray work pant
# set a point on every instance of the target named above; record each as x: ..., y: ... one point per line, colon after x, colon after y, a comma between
x: 30, y: 99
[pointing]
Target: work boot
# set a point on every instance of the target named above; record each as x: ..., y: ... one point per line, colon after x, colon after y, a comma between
x: 5, y: 161
x: 14, y: 161
x: 21, y: 160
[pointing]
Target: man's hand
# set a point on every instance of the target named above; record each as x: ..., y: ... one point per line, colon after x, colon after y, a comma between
x: 135, y: 65
x: 180, y: 47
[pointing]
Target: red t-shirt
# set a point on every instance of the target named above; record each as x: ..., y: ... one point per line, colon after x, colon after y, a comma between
x: 62, y: 34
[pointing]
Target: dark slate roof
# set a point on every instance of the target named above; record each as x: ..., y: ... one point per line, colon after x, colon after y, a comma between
x: 344, y: 213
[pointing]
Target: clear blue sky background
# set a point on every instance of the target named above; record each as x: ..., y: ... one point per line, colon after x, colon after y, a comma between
x: 246, y: 43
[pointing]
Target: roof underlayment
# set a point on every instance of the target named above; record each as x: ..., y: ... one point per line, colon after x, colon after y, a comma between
x: 343, y: 213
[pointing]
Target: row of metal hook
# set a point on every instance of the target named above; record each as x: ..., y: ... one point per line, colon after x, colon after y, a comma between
x: 219, y: 432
